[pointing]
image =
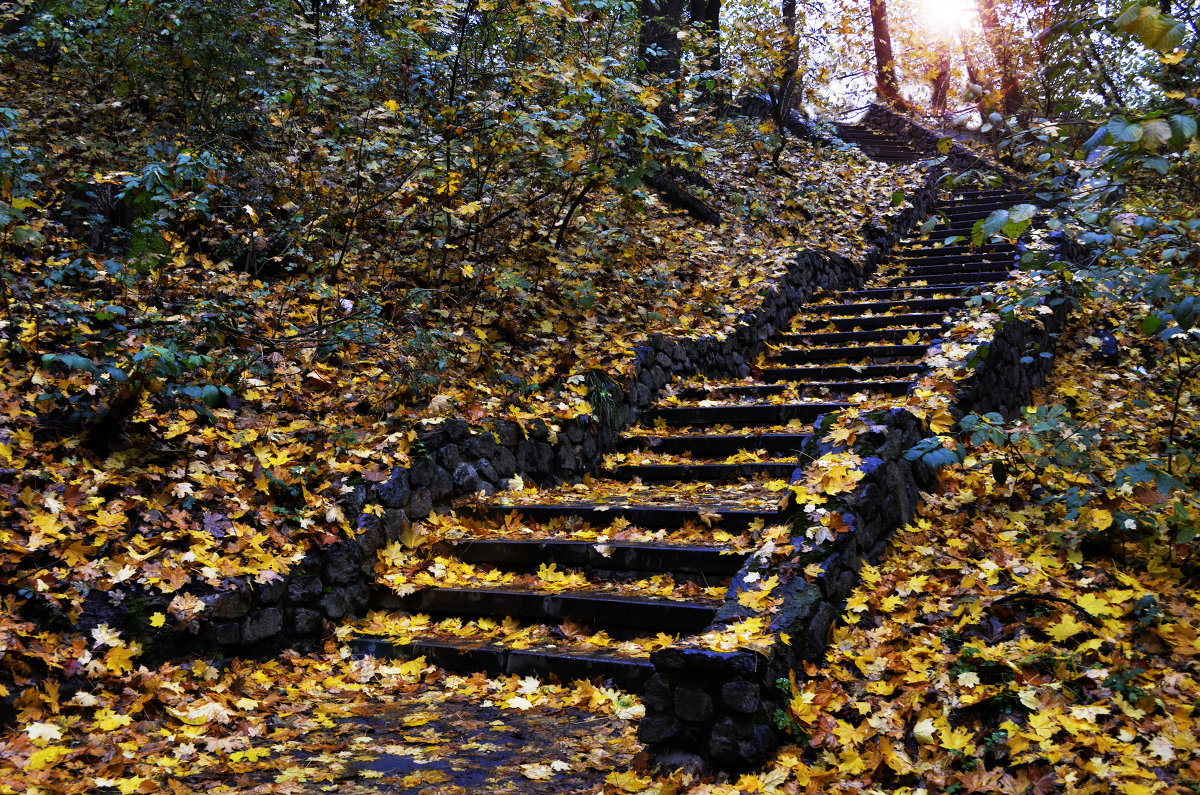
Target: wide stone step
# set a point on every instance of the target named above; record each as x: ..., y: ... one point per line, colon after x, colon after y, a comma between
x: 973, y: 212
x: 951, y: 265
x: 712, y: 473
x: 874, y: 322
x: 838, y: 372
x: 528, y: 554
x: 727, y: 517
x: 734, y: 391
x: 912, y: 158
x: 915, y: 292
x: 830, y: 338
x: 803, y: 355
x: 887, y: 148
x: 739, y: 414
x: 595, y: 609
x: 942, y: 233
x: 854, y: 387
x: 717, y: 445
x: 915, y: 305
x: 974, y: 278
x: 466, y: 657
x: 986, y: 194
x: 924, y: 250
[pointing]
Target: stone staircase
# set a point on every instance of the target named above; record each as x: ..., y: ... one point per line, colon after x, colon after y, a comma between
x: 586, y: 580
x: 881, y: 145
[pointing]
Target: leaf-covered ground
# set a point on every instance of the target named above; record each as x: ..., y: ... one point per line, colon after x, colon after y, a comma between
x: 999, y: 646
x: 183, y: 421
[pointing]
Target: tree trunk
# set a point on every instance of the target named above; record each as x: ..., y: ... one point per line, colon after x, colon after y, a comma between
x: 660, y: 51
x: 1012, y: 97
x: 886, y: 85
x: 941, y: 78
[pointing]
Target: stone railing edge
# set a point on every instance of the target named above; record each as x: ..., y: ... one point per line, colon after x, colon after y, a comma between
x: 331, y: 582
x: 731, y: 705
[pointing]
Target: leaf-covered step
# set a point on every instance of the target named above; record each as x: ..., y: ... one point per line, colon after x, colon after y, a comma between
x: 465, y: 656
x: 723, y: 514
x: 858, y: 352
x: 841, y: 372
x: 950, y: 268
x: 738, y: 391
x: 713, y: 473
x: 915, y: 305
x: 978, y: 259
x: 718, y: 445
x: 898, y: 322
x: 739, y: 414
x: 972, y: 213
x: 844, y: 388
x: 989, y: 194
x: 924, y: 250
x: 959, y: 277
x: 888, y: 149
x: 593, y: 609
x: 528, y: 554
x: 901, y: 291
x: 820, y: 339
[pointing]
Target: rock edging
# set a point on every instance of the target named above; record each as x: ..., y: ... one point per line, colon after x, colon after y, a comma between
x: 457, y: 459
x: 728, y: 708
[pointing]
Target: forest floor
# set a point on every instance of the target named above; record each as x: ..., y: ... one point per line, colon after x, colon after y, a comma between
x: 998, y: 645
x: 986, y: 652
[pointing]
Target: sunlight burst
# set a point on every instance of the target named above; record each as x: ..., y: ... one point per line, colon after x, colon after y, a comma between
x: 948, y: 17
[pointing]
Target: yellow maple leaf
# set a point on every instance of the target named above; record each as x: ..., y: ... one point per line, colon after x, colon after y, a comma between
x: 628, y: 781
x: 46, y: 757
x: 1065, y: 628
x: 1095, y: 605
x: 107, y: 720
x: 941, y: 421
x: 1096, y: 518
x: 120, y: 659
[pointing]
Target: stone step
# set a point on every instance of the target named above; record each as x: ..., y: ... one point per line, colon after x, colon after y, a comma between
x: 973, y: 212
x: 897, y: 158
x: 718, y: 445
x: 830, y: 338
x: 941, y: 232
x: 805, y: 355
x: 600, y: 610
x: 876, y: 322
x: 839, y: 372
x: 983, y: 194
x: 901, y: 291
x: 953, y: 263
x: 854, y: 387
x: 915, y: 305
x: 727, y: 517
x: 739, y: 414
x: 494, y: 659
x: 711, y: 473
x: 975, y: 278
x: 737, y: 391
x: 888, y: 149
x: 527, y: 554
x: 924, y: 249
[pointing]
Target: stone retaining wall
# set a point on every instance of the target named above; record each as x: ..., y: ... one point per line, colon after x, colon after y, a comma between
x: 459, y: 459
x: 707, y: 707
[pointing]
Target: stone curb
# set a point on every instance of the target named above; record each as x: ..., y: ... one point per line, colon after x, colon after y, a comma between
x: 688, y: 711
